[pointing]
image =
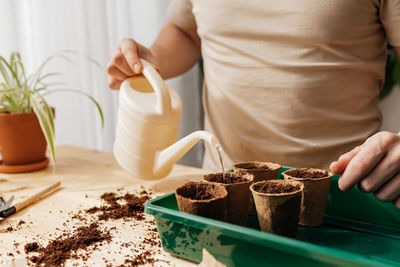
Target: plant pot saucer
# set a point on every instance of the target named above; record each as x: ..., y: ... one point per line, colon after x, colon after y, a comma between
x: 24, y: 167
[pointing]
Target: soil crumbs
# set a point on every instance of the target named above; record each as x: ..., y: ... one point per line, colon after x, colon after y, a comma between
x: 64, y: 246
x: 274, y: 188
x: 132, y: 208
x: 299, y: 173
x: 16, y: 227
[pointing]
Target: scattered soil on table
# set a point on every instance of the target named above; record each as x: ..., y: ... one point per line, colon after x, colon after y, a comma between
x: 199, y: 191
x: 16, y: 227
x: 31, y: 247
x: 143, y: 255
x: 16, y: 245
x: 301, y: 173
x: 276, y: 188
x: 227, y: 177
x: 64, y: 246
x: 142, y: 259
x: 132, y: 207
x: 253, y: 166
x: 79, y: 243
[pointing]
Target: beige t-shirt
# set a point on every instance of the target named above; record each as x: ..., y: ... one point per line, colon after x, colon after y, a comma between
x: 295, y: 82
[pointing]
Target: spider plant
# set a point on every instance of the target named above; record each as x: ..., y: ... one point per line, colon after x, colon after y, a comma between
x: 22, y: 93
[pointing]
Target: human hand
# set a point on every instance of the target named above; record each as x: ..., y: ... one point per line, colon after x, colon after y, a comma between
x: 125, y: 61
x: 374, y: 166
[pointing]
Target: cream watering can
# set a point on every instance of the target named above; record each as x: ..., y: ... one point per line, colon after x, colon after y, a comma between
x: 149, y: 114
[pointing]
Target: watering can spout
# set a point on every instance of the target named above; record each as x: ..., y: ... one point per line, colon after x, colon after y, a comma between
x: 166, y: 158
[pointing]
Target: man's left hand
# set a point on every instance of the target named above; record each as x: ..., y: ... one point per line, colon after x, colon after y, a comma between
x: 374, y: 166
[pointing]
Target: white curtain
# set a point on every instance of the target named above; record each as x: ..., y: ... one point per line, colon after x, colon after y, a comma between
x: 40, y: 28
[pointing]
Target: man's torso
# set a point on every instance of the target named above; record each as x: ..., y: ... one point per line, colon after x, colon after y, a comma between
x: 294, y: 82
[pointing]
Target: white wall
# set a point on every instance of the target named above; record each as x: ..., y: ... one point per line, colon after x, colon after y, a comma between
x: 390, y: 107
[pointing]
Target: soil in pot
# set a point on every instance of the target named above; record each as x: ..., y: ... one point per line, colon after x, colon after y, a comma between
x: 261, y: 171
x: 203, y: 199
x: 315, y: 194
x: 278, y: 205
x: 237, y: 185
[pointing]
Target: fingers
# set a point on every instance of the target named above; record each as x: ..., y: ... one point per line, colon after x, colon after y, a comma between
x: 130, y: 50
x: 338, y: 167
x: 114, y: 83
x: 124, y: 63
x: 375, y: 167
x: 386, y: 169
x: 119, y: 61
x: 389, y: 191
x: 117, y: 69
x: 148, y: 54
x: 361, y: 164
x: 115, y: 72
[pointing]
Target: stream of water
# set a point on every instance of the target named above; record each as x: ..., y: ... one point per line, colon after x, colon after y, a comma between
x: 221, y: 159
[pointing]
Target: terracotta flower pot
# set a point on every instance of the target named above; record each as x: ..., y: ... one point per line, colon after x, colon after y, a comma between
x: 237, y: 184
x: 278, y: 205
x: 21, y: 139
x: 203, y: 199
x: 315, y: 195
x: 261, y: 171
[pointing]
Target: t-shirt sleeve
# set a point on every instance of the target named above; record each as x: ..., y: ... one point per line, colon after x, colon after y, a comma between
x: 390, y: 17
x: 180, y: 13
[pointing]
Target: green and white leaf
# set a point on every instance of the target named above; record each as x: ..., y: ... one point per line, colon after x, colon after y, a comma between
x: 46, y: 123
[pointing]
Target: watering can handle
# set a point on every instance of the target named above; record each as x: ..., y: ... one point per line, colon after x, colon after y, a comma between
x: 159, y: 86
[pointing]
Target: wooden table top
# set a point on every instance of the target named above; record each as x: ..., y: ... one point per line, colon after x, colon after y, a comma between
x: 85, y: 175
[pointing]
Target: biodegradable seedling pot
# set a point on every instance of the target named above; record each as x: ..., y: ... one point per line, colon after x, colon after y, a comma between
x: 315, y: 194
x: 203, y: 199
x: 21, y: 139
x: 237, y: 185
x: 261, y: 171
x: 278, y: 205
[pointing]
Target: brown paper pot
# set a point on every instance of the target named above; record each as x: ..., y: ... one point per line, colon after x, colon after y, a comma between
x: 315, y: 195
x: 261, y: 171
x: 278, y: 209
x: 237, y: 184
x: 203, y: 199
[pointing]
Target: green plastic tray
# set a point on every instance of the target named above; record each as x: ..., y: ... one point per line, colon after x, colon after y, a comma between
x: 358, y: 230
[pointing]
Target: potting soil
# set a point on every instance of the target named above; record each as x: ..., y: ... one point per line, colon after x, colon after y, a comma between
x: 249, y: 166
x: 274, y: 188
x: 299, y: 173
x: 226, y: 178
x: 198, y: 192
